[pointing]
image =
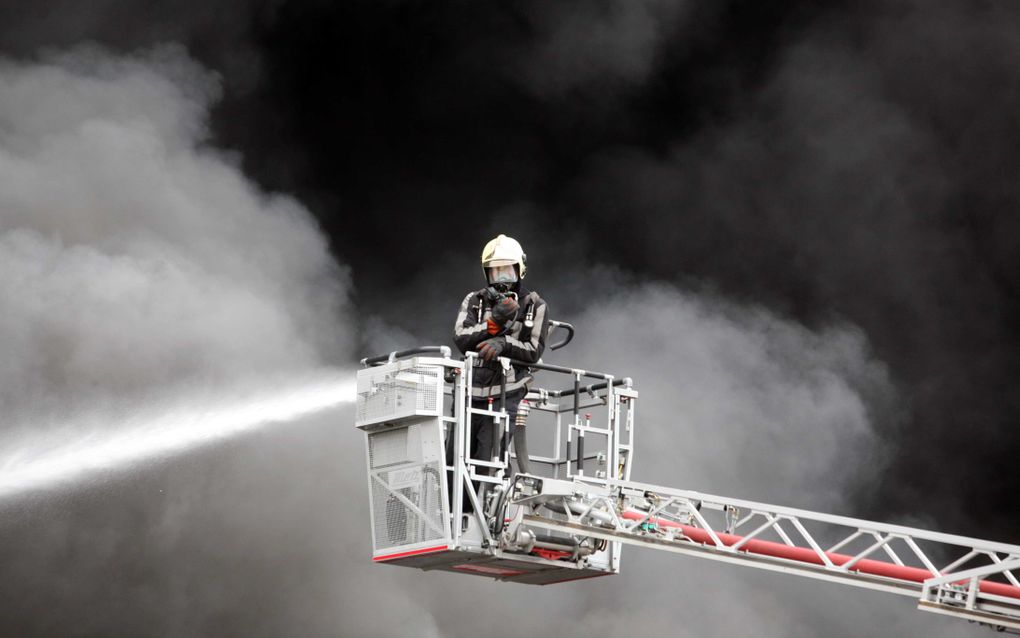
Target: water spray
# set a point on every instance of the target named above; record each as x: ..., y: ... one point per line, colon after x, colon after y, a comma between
x: 35, y: 467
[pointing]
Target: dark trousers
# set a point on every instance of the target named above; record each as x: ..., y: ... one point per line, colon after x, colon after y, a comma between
x: 484, y: 428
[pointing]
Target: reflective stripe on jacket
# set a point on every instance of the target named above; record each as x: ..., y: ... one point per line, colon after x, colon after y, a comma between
x: 524, y: 338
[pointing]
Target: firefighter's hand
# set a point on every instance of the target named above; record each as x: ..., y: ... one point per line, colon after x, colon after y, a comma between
x: 491, y: 348
x: 505, y: 311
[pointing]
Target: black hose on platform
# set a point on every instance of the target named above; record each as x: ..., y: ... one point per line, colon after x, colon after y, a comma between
x: 400, y: 354
x: 566, y: 326
x: 505, y: 447
x: 521, y: 449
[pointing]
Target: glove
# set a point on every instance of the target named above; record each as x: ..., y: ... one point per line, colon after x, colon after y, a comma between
x: 494, y: 296
x: 505, y: 311
x: 491, y: 348
x: 492, y: 327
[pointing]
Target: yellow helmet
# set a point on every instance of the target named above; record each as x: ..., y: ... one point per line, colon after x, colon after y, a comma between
x: 504, y: 251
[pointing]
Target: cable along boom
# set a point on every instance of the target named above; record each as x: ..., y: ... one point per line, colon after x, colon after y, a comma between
x: 433, y: 506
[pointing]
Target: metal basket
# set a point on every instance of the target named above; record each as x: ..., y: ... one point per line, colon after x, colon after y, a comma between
x: 408, y: 501
x: 397, y: 391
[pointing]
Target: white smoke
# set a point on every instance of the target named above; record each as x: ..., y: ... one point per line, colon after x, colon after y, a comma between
x: 736, y: 400
x: 133, y: 258
x: 154, y: 302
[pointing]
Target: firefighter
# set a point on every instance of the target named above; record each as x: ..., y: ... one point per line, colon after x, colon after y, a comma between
x: 504, y: 319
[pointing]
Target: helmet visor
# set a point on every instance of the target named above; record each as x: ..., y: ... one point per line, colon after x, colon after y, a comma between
x: 502, y: 274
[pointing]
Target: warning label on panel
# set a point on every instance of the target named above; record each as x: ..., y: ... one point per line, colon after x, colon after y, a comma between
x: 410, y: 477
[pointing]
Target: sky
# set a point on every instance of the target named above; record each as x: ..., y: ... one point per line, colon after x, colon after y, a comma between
x: 792, y: 225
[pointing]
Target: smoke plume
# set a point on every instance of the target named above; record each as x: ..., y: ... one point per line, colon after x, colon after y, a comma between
x: 145, y: 282
x: 135, y: 258
x: 792, y: 224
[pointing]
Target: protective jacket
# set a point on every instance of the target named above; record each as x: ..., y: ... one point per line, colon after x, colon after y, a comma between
x: 524, y: 337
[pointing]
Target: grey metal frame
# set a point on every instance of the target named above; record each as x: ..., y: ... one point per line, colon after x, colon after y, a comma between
x: 468, y: 479
x: 606, y: 505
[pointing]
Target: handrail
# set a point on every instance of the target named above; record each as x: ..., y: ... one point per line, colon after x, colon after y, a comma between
x: 551, y: 368
x: 399, y: 354
x: 591, y: 388
x: 446, y: 353
x: 566, y: 326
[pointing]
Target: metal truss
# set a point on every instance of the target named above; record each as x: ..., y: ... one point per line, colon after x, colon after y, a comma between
x: 953, y: 575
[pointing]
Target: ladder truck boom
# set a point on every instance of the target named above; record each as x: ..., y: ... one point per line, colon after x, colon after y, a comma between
x: 807, y: 543
x: 435, y: 507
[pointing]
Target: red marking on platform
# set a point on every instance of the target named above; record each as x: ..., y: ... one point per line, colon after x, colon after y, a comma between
x: 808, y: 555
x: 550, y: 554
x: 413, y: 552
x: 487, y: 570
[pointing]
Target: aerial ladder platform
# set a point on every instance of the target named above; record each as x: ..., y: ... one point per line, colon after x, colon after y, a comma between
x: 434, y: 507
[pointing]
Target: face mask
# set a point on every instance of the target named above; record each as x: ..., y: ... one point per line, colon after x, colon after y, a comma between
x: 502, y: 275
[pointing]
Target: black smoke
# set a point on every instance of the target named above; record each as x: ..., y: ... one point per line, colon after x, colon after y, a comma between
x: 840, y: 162
x: 835, y: 163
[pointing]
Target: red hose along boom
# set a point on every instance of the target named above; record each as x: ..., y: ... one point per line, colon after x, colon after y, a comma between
x: 808, y: 555
x: 565, y: 515
x: 976, y: 580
